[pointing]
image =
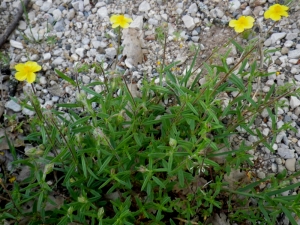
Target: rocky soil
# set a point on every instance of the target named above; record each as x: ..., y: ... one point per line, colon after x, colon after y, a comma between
x: 68, y: 35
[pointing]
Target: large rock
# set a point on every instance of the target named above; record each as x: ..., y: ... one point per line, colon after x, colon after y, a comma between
x: 188, y: 22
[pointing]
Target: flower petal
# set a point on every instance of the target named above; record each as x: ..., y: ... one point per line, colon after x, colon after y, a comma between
x: 113, y: 18
x: 34, y: 67
x: 267, y: 14
x: 125, y: 25
x: 19, y: 67
x: 128, y: 20
x: 31, y: 77
x: 20, y: 76
x: 275, y: 17
x: 248, y: 23
x: 232, y: 23
x: 115, y: 25
x: 239, y: 29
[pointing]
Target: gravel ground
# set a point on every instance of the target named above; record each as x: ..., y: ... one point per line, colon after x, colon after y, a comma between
x: 65, y: 34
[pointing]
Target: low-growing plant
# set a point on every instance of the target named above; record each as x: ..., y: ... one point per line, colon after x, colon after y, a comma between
x: 134, y: 160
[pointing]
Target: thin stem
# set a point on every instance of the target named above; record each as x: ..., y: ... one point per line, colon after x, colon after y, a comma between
x: 119, y: 42
x: 33, y: 89
x: 129, y: 91
x: 9, y: 194
x: 214, y: 51
x: 63, y: 137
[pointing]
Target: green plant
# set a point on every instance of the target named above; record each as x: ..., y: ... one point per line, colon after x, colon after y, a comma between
x: 177, y: 35
x: 132, y: 160
x: 4, y: 59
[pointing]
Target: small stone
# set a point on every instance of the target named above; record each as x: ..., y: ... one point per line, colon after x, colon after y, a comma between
x: 56, y: 90
x: 193, y: 9
x: 56, y: 14
x: 291, y: 36
x: 179, y: 11
x: 59, y: 26
x: 188, y: 22
x: 230, y: 60
x: 274, y: 167
x: 288, y: 44
x: 78, y: 6
x: 43, y: 80
x: 278, y: 161
x: 75, y: 57
x: 71, y: 14
x: 22, y: 25
x: 266, y: 132
x: 47, y: 56
x: 28, y: 112
x: 153, y: 21
x: 16, y: 44
x: 247, y: 11
x: 195, y: 39
x: 281, y: 168
x: 234, y: 5
x: 86, y: 79
x: 13, y: 106
x: 257, y: 10
x: 285, y: 153
x: 294, y: 102
x: 294, y: 70
x: 164, y: 16
x: 80, y: 52
x: 137, y: 23
x: 144, y: 6
x: 297, y: 77
x: 46, y: 6
x: 284, y: 50
x: 110, y: 53
x: 294, y: 54
x: 290, y: 164
x: 268, y: 42
x: 58, y: 61
x: 261, y: 175
x: 277, y: 36
x: 102, y: 12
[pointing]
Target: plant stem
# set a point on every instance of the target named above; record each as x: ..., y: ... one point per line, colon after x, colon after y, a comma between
x: 33, y: 89
x: 9, y: 194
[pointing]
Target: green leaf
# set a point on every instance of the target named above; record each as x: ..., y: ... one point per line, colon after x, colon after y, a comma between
x: 238, y: 46
x: 288, y: 188
x: 264, y: 212
x: 66, y: 78
x: 192, y: 108
x: 147, y: 179
x: 237, y: 81
x: 181, y: 178
x: 11, y: 147
x: 79, y: 121
x: 90, y: 91
x: 83, y: 163
x: 289, y: 215
x: 159, y: 182
x: 104, y: 165
x: 40, y: 201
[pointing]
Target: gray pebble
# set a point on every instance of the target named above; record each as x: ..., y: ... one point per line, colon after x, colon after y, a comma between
x: 290, y: 164
x: 144, y: 6
x: 13, y: 106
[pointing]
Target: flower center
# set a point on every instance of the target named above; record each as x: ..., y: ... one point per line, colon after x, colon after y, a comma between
x: 27, y: 69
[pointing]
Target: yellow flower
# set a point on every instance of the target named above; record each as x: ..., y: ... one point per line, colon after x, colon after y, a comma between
x: 12, y: 179
x: 275, y: 12
x: 120, y: 20
x: 26, y: 71
x: 244, y: 22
